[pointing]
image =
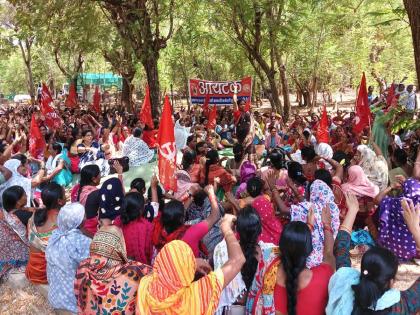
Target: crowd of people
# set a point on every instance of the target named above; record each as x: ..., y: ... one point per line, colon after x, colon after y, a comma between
x: 264, y: 219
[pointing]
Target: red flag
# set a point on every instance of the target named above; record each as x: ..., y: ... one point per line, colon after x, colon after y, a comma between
x: 145, y: 115
x: 52, y: 120
x: 322, y: 132
x: 96, y: 106
x: 71, y: 100
x: 248, y: 105
x: 391, y: 99
x: 36, y: 140
x: 167, y: 149
x: 211, y: 124
x: 206, y: 109
x: 362, y: 108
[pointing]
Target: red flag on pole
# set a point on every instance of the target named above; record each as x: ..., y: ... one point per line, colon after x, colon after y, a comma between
x: 322, y: 132
x: 211, y: 124
x: 36, y: 140
x: 145, y: 115
x: 206, y: 109
x: 71, y: 100
x: 52, y: 120
x: 96, y: 105
x: 362, y: 108
x: 167, y: 149
x: 248, y: 105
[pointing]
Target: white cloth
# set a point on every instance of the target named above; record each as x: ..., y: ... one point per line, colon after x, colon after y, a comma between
x: 16, y: 180
x: 137, y: 151
x: 181, y: 134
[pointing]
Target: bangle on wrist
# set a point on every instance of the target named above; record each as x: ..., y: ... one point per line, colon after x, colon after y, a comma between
x: 328, y: 229
x: 345, y: 228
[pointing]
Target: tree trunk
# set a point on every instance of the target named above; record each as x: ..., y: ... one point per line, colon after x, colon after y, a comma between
x: 274, y: 99
x: 413, y: 11
x: 314, y: 93
x: 25, y: 48
x: 150, y: 65
x: 126, y: 93
x: 286, y: 96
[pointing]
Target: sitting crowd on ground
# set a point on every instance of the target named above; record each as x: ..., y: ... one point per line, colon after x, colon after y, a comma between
x: 264, y: 220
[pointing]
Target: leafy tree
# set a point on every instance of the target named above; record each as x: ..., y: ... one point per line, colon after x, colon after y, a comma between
x: 147, y: 25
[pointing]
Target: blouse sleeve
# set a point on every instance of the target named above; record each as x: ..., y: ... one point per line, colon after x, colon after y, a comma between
x: 410, y: 302
x: 342, y: 249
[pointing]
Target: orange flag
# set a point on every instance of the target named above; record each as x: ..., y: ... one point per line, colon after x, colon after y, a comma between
x: 167, y: 148
x: 322, y: 132
x: 96, y: 106
x: 211, y: 124
x: 145, y: 115
x: 36, y: 140
x: 71, y: 100
x: 362, y: 119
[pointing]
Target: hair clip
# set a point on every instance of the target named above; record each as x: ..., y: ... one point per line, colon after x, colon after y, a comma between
x: 365, y: 272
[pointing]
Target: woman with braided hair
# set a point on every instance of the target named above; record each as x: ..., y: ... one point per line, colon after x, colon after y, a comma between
x: 283, y: 284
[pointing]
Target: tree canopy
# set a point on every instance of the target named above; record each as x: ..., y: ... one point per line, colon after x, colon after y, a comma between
x: 287, y: 46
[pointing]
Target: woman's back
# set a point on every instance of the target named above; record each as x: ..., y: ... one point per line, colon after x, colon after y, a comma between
x: 312, y: 294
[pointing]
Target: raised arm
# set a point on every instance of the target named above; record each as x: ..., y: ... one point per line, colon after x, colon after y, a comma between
x: 328, y: 256
x: 236, y: 258
x: 215, y: 212
x: 339, y: 170
x: 342, y: 242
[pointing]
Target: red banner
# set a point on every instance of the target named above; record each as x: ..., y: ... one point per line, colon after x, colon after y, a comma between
x: 219, y: 92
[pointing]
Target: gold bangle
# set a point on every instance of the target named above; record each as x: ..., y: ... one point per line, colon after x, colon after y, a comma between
x: 229, y: 233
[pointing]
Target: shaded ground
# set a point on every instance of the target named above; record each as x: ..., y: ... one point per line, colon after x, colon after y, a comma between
x: 28, y: 302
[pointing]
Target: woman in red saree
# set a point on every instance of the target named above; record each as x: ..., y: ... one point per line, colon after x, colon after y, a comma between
x: 213, y: 170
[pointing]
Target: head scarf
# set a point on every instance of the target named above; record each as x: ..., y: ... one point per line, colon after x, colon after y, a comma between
x: 106, y: 282
x: 393, y: 232
x: 321, y: 195
x: 375, y: 167
x: 247, y: 171
x: 271, y: 225
x: 324, y: 150
x: 341, y: 294
x: 66, y: 248
x: 112, y: 195
x: 170, y: 288
x: 358, y: 183
x: 16, y: 180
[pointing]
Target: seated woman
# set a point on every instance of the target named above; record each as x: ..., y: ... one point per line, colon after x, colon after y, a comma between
x: 171, y: 288
x: 91, y: 152
x: 393, y: 231
x: 373, y: 164
x: 170, y: 224
x: 365, y: 191
x: 233, y: 165
x: 136, y: 229
x: 58, y: 165
x: 66, y: 248
x: 214, y: 170
x: 14, y: 245
x: 40, y: 228
x: 284, y: 282
x: 273, y: 140
x: 370, y: 291
x: 248, y: 228
x: 107, y: 276
x: 309, y: 156
x: 137, y: 150
x: 19, y: 167
x: 321, y: 196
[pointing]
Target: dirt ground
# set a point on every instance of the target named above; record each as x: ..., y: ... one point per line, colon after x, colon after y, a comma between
x: 29, y: 302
